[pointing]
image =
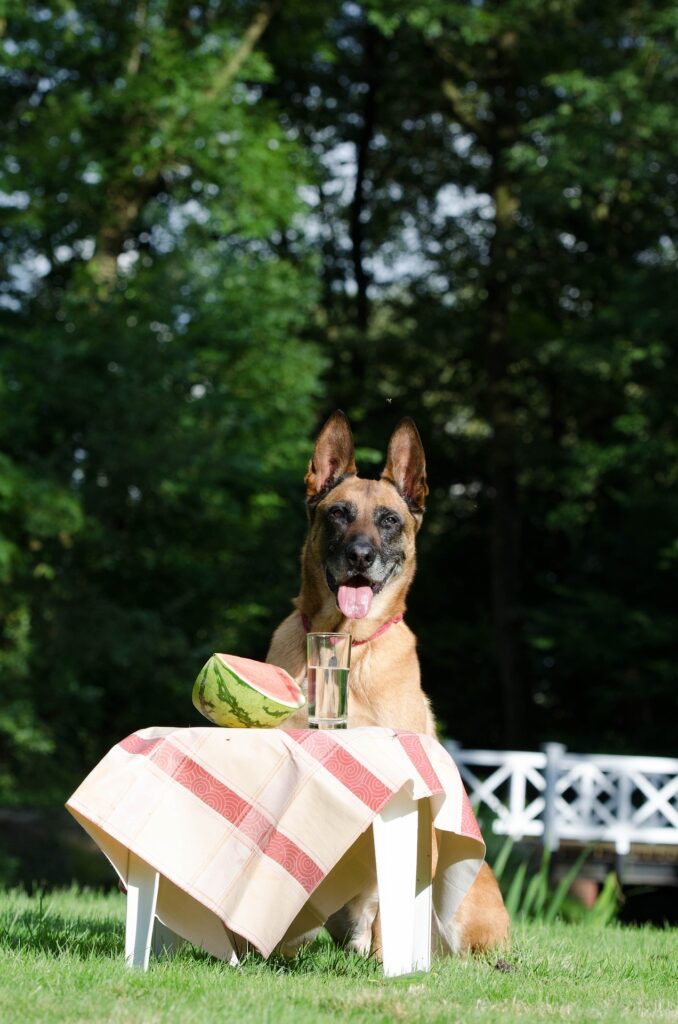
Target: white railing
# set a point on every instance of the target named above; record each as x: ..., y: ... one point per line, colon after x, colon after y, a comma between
x: 553, y: 794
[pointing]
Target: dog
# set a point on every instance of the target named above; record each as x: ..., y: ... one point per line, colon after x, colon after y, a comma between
x: 357, y: 565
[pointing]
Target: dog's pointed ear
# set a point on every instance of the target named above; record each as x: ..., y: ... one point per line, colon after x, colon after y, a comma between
x: 406, y: 467
x: 333, y: 457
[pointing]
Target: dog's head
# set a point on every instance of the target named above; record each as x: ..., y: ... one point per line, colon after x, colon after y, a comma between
x: 361, y: 544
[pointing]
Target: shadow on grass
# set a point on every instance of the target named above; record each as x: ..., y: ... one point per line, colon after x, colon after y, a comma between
x: 320, y: 957
x: 30, y: 931
x: 37, y: 929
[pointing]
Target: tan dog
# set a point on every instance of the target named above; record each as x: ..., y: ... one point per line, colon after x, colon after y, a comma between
x: 357, y: 565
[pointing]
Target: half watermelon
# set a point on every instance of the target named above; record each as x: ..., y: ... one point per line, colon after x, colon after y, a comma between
x: 241, y: 693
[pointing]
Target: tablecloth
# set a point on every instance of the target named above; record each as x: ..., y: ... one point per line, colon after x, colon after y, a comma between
x: 259, y: 835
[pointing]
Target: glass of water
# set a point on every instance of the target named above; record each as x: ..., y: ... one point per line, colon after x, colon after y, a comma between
x: 328, y: 664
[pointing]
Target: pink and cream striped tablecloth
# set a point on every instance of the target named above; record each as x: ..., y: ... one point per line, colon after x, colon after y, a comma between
x: 261, y: 834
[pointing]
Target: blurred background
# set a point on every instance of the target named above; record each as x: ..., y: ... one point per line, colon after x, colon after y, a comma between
x: 221, y: 221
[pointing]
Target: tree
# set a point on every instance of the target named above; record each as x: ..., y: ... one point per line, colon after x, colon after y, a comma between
x: 157, y: 391
x: 518, y: 197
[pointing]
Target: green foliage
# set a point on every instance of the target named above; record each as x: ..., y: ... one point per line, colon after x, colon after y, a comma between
x: 531, y: 896
x: 157, y: 391
x: 518, y: 200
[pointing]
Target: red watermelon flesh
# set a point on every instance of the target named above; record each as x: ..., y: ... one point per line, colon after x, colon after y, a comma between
x: 269, y: 680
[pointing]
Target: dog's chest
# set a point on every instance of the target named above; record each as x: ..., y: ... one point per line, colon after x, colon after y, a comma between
x: 364, y: 693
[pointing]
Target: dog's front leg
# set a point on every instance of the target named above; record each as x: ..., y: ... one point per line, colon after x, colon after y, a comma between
x: 375, y: 948
x: 353, y: 925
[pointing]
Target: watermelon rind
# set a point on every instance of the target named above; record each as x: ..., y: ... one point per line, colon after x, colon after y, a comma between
x: 226, y: 698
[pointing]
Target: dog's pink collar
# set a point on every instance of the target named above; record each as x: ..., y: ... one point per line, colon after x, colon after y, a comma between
x: 357, y: 643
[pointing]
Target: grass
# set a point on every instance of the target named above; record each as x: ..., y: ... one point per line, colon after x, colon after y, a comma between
x: 61, y: 960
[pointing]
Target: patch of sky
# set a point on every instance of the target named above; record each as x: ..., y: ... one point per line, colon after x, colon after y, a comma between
x: 190, y: 212
x: 17, y: 200
x: 84, y: 248
x: 25, y: 274
x: 663, y: 254
x: 452, y: 201
x: 71, y: 19
x: 92, y: 174
x: 407, y: 257
x: 126, y: 261
x: 212, y: 43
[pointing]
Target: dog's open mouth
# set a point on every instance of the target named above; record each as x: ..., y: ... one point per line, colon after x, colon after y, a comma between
x: 354, y: 595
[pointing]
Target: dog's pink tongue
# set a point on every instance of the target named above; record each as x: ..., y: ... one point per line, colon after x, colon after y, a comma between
x: 355, y: 601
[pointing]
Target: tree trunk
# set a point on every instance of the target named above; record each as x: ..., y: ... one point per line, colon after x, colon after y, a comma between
x: 496, y: 134
x: 358, y: 203
x: 506, y: 527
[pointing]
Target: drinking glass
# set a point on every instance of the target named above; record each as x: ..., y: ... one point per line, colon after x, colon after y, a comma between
x: 328, y: 664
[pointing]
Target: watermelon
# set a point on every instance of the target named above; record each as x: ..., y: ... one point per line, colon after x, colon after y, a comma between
x: 241, y: 693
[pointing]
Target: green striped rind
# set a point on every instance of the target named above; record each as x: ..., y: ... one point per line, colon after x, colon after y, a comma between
x: 227, y: 699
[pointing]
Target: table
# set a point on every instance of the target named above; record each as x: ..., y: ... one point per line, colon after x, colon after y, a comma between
x: 231, y: 837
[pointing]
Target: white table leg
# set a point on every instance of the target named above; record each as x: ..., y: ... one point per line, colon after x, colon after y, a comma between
x: 142, y: 895
x: 143, y: 932
x: 423, y: 901
x: 403, y: 879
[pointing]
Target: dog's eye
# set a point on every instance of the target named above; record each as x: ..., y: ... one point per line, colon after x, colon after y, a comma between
x: 337, y: 513
x: 390, y: 521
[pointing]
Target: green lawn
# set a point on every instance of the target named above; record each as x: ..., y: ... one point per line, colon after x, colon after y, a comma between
x: 61, y: 960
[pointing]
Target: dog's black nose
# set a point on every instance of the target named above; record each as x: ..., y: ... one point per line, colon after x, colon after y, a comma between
x: 360, y: 553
